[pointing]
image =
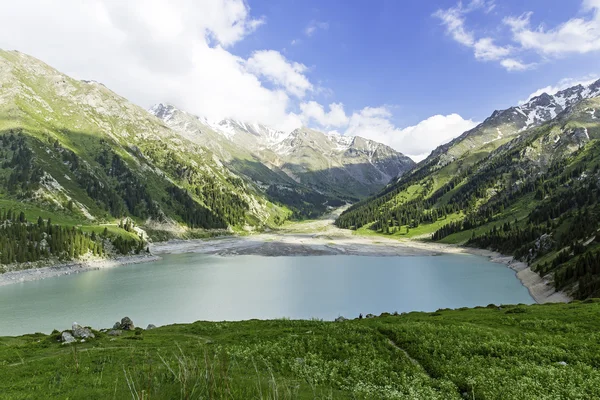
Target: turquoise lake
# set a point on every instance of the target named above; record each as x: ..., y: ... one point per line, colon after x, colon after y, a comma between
x: 191, y: 287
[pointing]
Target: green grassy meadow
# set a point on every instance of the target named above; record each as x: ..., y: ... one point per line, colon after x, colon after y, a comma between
x: 507, y: 352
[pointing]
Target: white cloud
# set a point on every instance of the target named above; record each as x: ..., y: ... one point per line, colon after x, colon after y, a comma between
x: 484, y: 49
x: 160, y: 51
x: 562, y: 85
x: 276, y: 68
x: 515, y: 65
x: 577, y: 35
x: 315, y: 25
x: 176, y: 51
x: 415, y: 141
x: 375, y: 123
x: 313, y: 111
x: 453, y: 19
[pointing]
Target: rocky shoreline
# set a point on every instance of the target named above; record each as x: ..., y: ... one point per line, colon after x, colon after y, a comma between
x: 61, y: 269
x: 540, y: 288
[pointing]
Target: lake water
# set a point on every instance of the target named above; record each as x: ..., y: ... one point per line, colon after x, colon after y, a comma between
x: 191, y: 287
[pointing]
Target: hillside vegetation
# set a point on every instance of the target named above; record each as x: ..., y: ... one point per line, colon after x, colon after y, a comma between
x: 507, y: 352
x: 530, y: 189
x: 76, y: 152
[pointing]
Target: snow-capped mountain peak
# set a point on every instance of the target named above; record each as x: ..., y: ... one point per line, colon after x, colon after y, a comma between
x: 546, y: 106
x: 352, y: 166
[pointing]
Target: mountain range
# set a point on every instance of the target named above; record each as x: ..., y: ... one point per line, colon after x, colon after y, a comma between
x: 348, y: 168
x: 85, y: 155
x: 525, y: 182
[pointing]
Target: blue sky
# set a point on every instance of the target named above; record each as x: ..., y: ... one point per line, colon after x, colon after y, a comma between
x: 397, y: 53
x: 410, y: 74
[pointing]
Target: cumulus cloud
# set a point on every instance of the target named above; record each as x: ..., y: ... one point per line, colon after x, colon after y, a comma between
x: 161, y: 51
x: 576, y: 35
x: 515, y: 65
x: 415, y: 141
x: 313, y: 112
x: 485, y: 49
x: 178, y: 51
x: 276, y: 68
x: 376, y: 123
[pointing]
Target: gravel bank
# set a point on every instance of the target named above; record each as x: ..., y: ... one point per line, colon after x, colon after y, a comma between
x: 34, y: 274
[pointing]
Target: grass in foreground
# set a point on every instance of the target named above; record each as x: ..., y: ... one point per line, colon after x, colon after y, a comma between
x: 515, y: 352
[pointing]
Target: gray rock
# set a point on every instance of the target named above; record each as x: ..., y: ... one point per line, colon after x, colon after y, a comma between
x: 340, y: 319
x: 127, y: 324
x: 66, y: 337
x: 544, y: 243
x: 369, y: 316
x: 114, y: 332
x: 150, y: 326
x: 117, y: 325
x: 563, y: 363
x: 81, y: 332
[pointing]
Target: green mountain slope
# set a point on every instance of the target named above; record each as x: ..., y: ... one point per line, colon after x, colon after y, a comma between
x: 534, y: 194
x: 243, y: 157
x: 88, y: 156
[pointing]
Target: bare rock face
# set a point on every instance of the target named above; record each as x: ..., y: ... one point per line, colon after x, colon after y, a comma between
x: 127, y: 324
x: 66, y: 337
x: 150, y: 326
x: 114, y: 332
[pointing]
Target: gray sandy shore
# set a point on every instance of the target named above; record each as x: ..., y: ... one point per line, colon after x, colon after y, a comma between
x: 34, y: 274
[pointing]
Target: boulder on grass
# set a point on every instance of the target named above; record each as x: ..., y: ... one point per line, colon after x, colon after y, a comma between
x: 66, y: 337
x: 127, y: 324
x: 81, y: 332
x: 150, y: 326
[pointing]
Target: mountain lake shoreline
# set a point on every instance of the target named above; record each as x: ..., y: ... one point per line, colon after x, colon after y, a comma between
x: 275, y: 245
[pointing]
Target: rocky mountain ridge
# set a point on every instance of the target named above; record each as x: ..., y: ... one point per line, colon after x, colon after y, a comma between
x: 345, y: 167
x: 504, y: 125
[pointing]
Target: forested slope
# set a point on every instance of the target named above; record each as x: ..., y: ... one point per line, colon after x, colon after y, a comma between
x: 534, y: 195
